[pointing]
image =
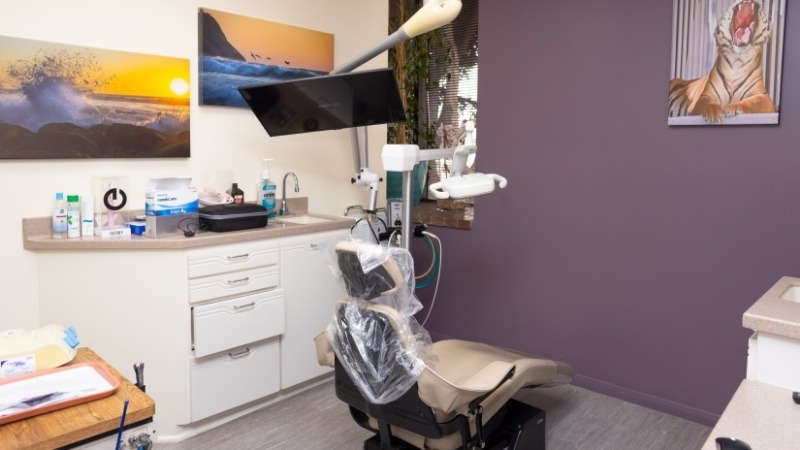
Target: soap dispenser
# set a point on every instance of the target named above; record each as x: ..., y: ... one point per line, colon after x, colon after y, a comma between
x: 267, y: 190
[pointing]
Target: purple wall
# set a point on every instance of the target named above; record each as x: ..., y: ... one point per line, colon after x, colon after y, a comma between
x: 622, y: 246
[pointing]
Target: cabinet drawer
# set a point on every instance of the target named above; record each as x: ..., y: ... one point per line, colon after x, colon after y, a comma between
x: 232, y: 258
x: 233, y: 283
x: 227, y: 324
x: 234, y: 378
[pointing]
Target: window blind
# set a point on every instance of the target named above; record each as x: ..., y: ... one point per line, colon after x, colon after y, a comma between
x: 455, y: 67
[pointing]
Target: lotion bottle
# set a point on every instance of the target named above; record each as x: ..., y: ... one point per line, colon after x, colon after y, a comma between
x: 73, y: 216
x: 267, y: 193
x: 60, y: 217
x: 87, y: 215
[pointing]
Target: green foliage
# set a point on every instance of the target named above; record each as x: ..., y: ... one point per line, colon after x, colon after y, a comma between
x: 411, y: 61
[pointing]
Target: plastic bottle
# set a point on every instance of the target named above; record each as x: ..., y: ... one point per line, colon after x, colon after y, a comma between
x: 60, y: 217
x: 237, y: 194
x: 267, y: 195
x: 87, y: 216
x: 73, y: 216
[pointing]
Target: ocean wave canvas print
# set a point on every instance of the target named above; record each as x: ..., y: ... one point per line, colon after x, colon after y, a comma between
x: 239, y: 51
x: 66, y: 101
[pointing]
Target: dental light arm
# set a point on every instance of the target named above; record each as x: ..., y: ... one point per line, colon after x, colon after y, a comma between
x: 460, y: 156
x: 431, y: 16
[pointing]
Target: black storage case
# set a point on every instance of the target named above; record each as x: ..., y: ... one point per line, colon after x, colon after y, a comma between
x: 232, y: 217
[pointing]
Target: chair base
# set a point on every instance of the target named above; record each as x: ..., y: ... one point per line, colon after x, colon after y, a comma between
x: 520, y: 427
x: 374, y: 443
x: 523, y: 428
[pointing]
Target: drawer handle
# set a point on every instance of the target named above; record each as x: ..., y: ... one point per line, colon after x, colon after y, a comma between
x: 244, y: 352
x: 246, y: 305
x: 239, y: 281
x: 235, y: 257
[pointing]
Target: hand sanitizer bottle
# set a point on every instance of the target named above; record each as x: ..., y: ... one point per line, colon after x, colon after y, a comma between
x: 267, y: 193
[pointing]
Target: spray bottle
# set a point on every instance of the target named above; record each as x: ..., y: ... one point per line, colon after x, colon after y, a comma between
x: 267, y: 191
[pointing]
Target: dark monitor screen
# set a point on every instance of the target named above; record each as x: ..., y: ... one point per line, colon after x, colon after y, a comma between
x: 328, y: 102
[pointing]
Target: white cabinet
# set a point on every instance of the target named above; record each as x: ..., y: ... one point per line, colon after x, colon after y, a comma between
x: 219, y: 328
x: 774, y: 348
x: 237, y: 318
x: 128, y: 306
x: 311, y: 291
x: 774, y: 359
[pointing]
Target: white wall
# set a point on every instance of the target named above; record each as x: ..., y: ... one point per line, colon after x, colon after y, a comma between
x: 221, y: 138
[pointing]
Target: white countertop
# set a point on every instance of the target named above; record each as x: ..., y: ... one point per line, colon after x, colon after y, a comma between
x: 762, y: 415
x: 36, y: 234
x: 774, y: 315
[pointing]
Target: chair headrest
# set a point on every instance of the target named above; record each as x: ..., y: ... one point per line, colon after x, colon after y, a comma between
x: 374, y: 334
x: 385, y: 278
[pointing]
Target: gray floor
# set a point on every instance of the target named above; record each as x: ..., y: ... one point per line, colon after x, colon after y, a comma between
x: 581, y: 419
x: 576, y: 419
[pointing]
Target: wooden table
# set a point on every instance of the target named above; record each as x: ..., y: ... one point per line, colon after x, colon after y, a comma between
x: 80, y: 422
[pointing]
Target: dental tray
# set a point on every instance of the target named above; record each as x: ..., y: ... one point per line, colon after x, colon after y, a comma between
x: 233, y: 217
x: 41, y: 392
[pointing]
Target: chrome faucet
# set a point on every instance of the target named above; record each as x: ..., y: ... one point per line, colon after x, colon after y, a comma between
x: 284, y: 210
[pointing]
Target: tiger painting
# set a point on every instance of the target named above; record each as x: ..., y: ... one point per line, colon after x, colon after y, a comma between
x: 735, y: 83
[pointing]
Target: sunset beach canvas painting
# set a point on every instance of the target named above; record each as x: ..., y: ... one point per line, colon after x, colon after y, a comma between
x: 239, y: 51
x: 66, y: 101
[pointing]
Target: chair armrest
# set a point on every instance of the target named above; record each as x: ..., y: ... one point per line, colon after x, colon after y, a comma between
x: 446, y: 395
x: 325, y: 354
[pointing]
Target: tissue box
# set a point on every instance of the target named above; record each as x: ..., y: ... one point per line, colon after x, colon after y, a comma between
x: 170, y: 207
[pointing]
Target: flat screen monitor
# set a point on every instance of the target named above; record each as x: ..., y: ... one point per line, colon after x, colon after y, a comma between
x: 329, y: 102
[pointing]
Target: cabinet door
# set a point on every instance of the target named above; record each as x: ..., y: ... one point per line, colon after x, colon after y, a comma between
x: 311, y: 291
x: 231, y: 258
x: 226, y: 324
x: 233, y: 283
x: 233, y: 378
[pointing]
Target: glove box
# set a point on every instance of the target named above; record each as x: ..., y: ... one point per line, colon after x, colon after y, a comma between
x: 232, y: 217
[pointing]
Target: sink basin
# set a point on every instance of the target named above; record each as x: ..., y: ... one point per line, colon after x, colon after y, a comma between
x: 792, y: 293
x: 301, y: 220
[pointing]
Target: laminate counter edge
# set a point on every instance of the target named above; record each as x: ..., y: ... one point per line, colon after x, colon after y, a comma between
x: 36, y: 234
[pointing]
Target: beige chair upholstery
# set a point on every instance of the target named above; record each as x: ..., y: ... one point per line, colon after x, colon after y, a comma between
x: 456, y: 373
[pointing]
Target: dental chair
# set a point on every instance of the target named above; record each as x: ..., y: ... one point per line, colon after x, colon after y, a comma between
x: 413, y: 393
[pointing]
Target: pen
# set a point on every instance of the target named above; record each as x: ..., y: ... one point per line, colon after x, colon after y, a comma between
x: 122, y: 423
